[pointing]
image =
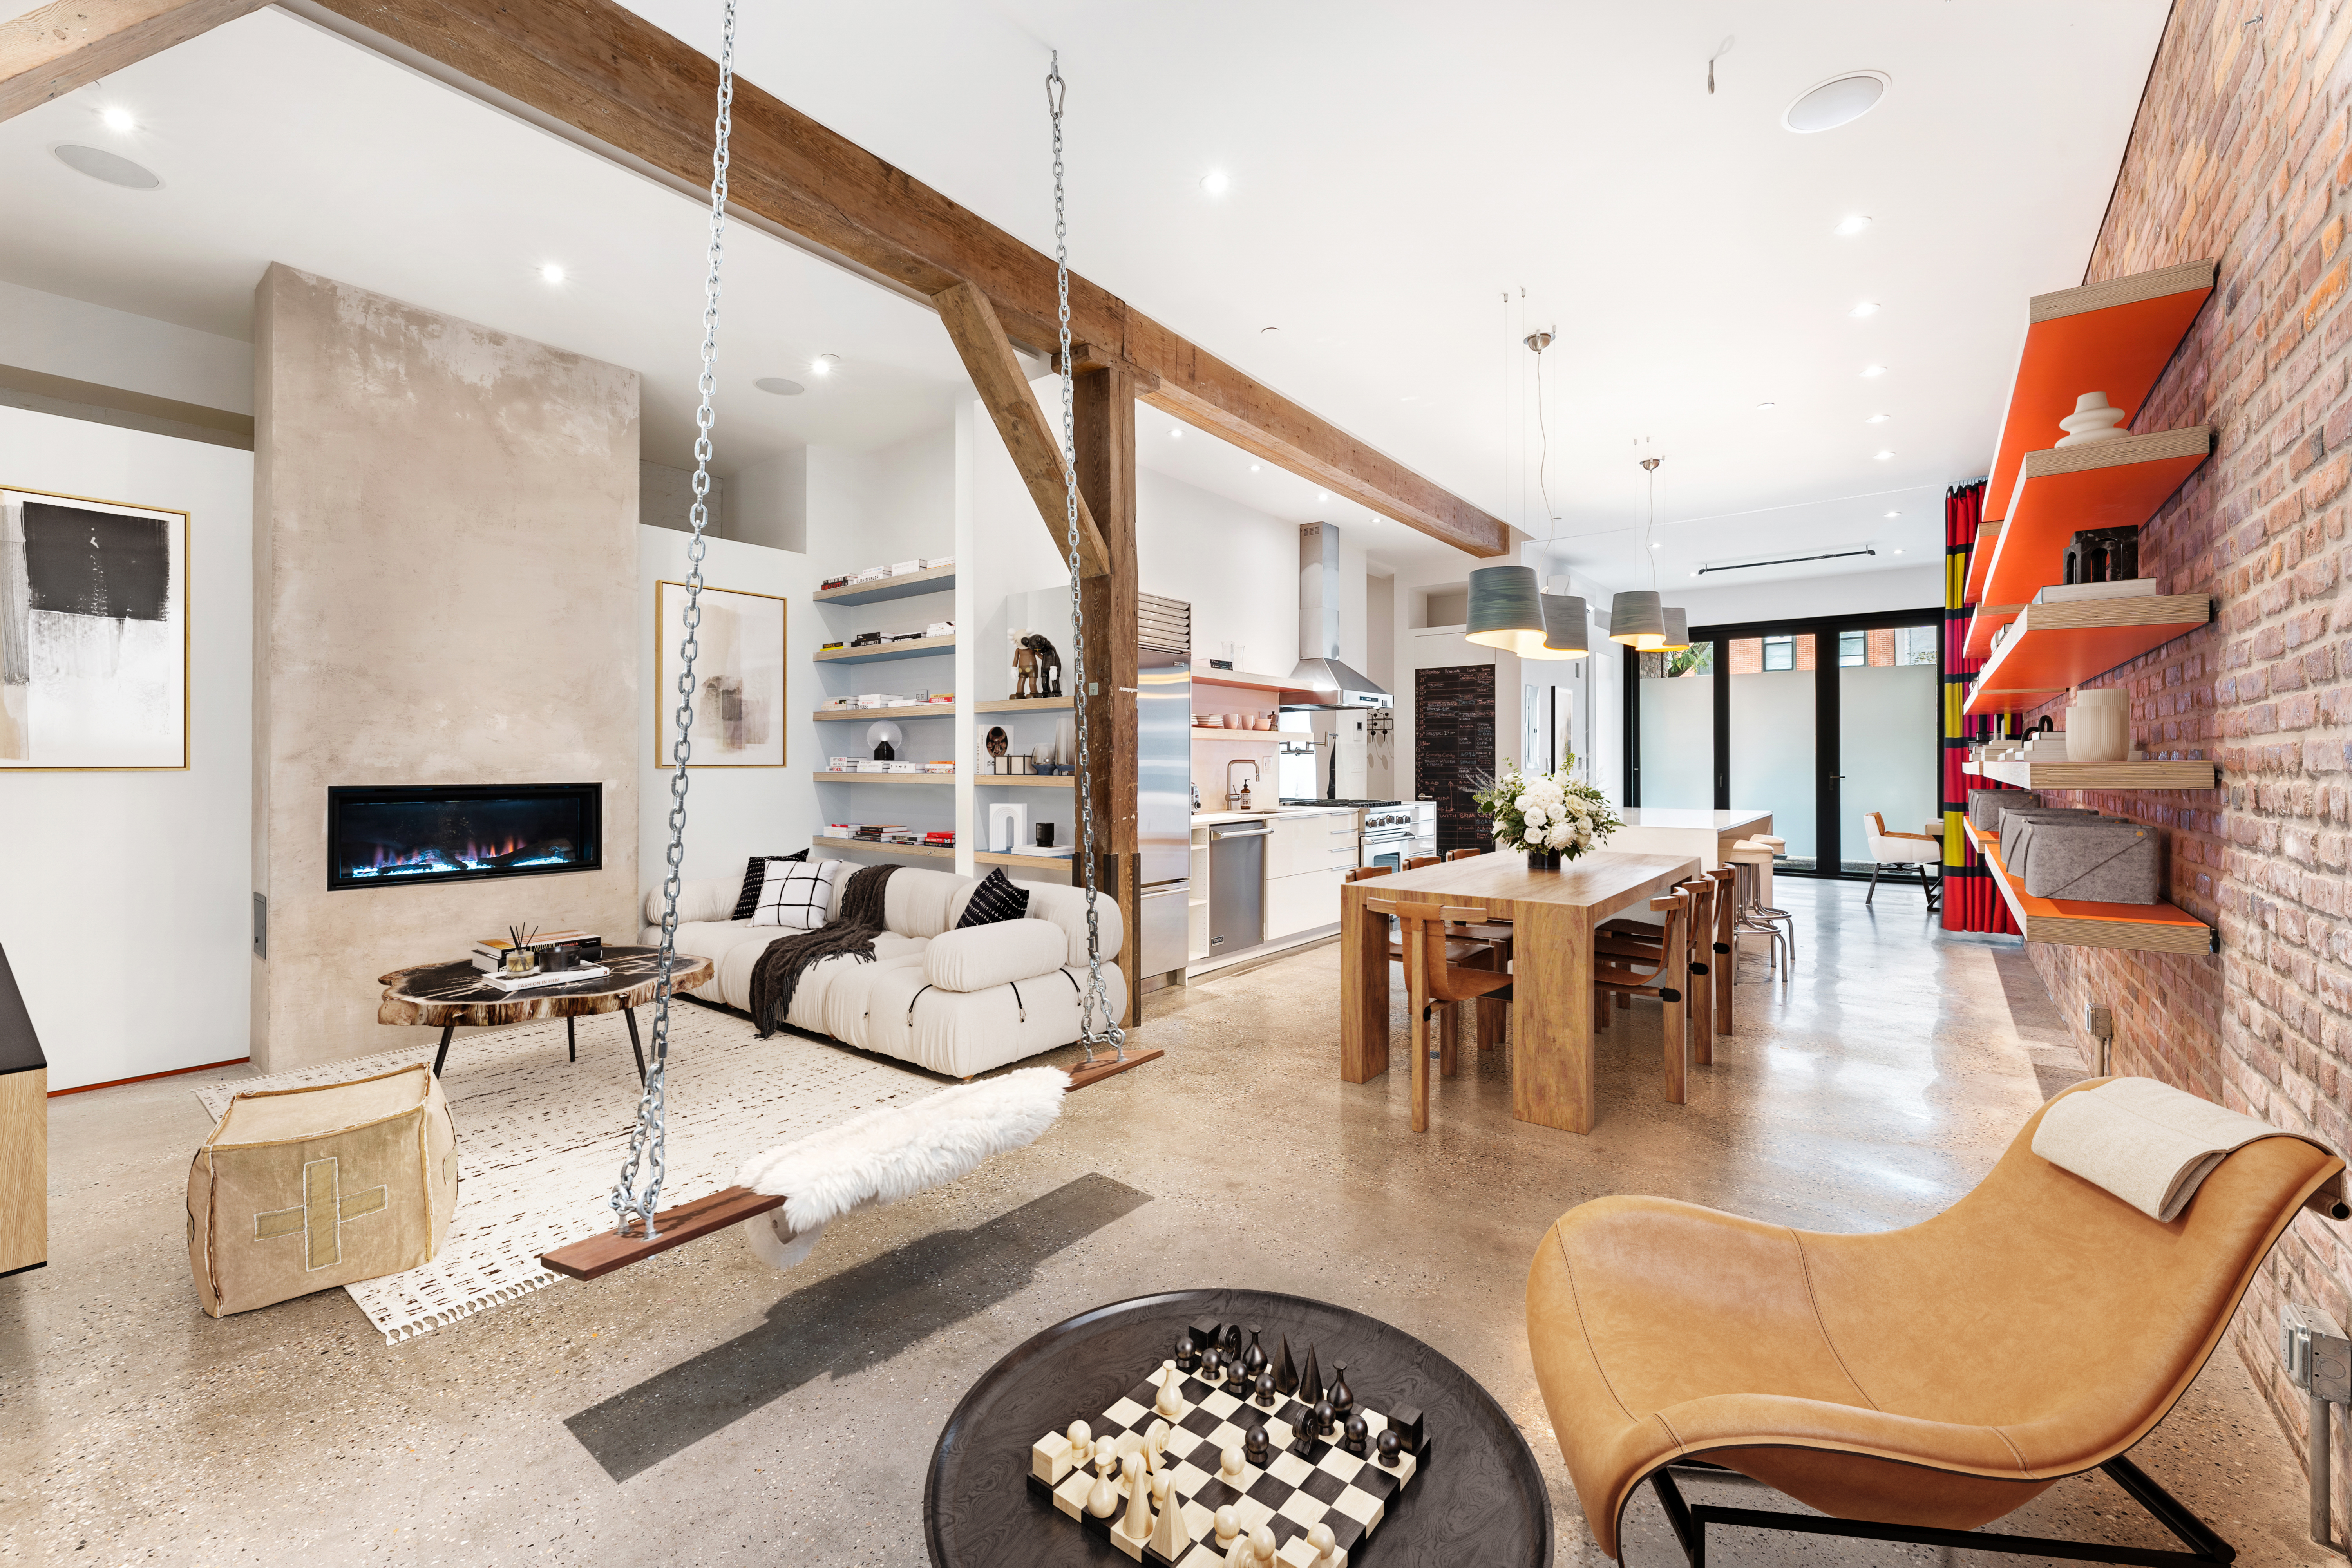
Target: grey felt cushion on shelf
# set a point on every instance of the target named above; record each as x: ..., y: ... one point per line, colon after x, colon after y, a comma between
x: 2013, y: 823
x: 2107, y: 860
x: 1985, y: 805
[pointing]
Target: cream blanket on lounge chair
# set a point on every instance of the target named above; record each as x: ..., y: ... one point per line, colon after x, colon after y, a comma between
x: 2147, y: 1142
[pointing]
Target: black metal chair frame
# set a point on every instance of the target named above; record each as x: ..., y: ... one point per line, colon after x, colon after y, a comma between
x: 2209, y: 1551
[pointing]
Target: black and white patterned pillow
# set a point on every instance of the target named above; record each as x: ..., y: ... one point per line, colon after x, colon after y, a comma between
x: 755, y: 872
x: 996, y: 899
x: 798, y: 895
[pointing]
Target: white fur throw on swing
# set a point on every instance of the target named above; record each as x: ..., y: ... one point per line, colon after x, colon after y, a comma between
x: 892, y: 1153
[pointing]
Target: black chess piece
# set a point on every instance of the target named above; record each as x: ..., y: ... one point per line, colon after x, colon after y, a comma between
x: 1257, y: 1447
x: 1390, y: 1446
x: 1286, y: 1374
x: 1359, y: 1433
x: 1253, y: 1358
x: 1342, y: 1397
x: 1264, y: 1386
x: 1188, y: 1354
x: 1320, y: 1421
x: 1213, y: 1364
x: 1302, y: 1441
x: 1232, y: 1343
x: 1310, y: 1382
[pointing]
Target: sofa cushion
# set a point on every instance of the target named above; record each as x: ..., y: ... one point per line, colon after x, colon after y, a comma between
x: 699, y: 899
x: 998, y: 897
x: 1066, y: 907
x: 974, y: 958
x: 920, y: 902
x: 755, y: 874
x: 799, y: 895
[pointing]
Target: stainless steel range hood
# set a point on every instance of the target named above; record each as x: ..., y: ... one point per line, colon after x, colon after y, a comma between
x: 1321, y: 671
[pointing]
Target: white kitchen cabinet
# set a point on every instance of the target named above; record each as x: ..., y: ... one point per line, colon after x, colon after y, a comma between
x: 1303, y: 901
x: 1196, y: 925
x: 1315, y: 843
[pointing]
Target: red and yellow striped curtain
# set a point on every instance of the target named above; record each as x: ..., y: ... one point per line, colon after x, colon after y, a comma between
x: 1970, y: 901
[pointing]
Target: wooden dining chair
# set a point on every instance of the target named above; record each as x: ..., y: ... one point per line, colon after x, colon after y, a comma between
x: 1642, y: 942
x: 1662, y: 971
x: 1464, y: 854
x: 1418, y: 861
x: 1495, y: 937
x: 1365, y: 873
x: 1432, y: 977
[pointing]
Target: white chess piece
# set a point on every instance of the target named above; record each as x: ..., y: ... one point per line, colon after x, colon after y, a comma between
x: 1324, y: 1544
x: 1262, y: 1547
x: 1102, y: 1501
x: 1171, y: 1534
x: 1229, y: 1525
x: 1170, y: 1402
x: 1082, y: 1444
x: 1239, y: 1555
x: 1229, y: 1469
x: 1155, y: 1445
x: 1137, y: 1524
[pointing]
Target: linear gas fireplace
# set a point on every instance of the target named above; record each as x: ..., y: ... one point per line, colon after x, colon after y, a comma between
x: 401, y: 835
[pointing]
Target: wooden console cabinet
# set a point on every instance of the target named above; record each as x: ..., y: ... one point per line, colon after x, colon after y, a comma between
x: 24, y: 1135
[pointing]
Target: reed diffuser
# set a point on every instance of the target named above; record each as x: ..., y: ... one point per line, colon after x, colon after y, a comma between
x: 521, y: 958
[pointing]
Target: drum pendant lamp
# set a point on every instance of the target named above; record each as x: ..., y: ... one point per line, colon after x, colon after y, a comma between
x: 1678, y: 632
x: 1505, y: 610
x: 1637, y: 620
x: 1564, y: 638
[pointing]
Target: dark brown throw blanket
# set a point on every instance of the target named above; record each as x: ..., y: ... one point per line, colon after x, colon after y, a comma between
x: 850, y: 934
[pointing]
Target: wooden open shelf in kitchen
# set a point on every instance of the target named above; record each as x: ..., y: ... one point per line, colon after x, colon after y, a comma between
x: 2099, y: 775
x: 2080, y: 922
x: 2108, y: 484
x: 2114, y: 337
x: 2054, y: 646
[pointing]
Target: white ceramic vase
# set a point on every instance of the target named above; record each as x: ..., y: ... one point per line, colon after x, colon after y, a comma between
x: 2093, y: 419
x: 2098, y: 726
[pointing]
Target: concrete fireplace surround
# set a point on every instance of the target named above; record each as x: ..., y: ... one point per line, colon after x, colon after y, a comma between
x: 444, y: 563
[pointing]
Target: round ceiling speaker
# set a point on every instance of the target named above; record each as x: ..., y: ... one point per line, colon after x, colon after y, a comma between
x: 1841, y: 100
x: 780, y: 386
x: 112, y: 167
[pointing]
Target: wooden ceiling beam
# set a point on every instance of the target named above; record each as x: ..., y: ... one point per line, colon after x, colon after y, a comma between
x: 1003, y: 387
x: 52, y: 50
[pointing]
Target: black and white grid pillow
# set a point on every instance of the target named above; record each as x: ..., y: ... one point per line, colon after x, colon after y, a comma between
x: 996, y: 899
x: 797, y: 895
x: 755, y: 872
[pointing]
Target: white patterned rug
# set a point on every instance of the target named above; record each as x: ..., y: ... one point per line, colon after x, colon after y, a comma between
x: 541, y: 1140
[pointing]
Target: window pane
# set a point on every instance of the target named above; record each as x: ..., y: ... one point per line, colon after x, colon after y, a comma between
x: 1889, y: 729
x: 1854, y: 647
x: 1678, y: 728
x: 1781, y: 653
x: 1773, y: 762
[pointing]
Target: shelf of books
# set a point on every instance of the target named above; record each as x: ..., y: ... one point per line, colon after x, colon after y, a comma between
x: 932, y: 575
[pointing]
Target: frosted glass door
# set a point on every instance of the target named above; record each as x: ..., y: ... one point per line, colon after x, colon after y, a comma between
x: 1774, y: 761
x: 1888, y: 735
x: 1678, y: 710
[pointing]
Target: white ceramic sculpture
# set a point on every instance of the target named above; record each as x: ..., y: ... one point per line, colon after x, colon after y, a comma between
x: 2098, y: 726
x: 2093, y: 419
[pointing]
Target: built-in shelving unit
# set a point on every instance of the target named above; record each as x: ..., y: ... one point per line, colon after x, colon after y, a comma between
x: 2054, y: 646
x: 904, y: 586
x: 912, y: 851
x: 1026, y: 705
x: 2076, y: 922
x: 823, y: 776
x: 874, y: 652
x: 1201, y: 675
x: 903, y: 711
x: 1025, y: 781
x: 2099, y: 775
x: 2109, y: 484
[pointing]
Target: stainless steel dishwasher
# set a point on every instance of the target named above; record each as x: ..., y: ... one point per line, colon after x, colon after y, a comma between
x: 1237, y: 886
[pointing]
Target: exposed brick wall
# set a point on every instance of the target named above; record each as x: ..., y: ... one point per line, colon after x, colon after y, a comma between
x: 2240, y: 155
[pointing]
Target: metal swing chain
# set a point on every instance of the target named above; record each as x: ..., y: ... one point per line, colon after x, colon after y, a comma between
x: 648, y: 1139
x: 1097, y: 1000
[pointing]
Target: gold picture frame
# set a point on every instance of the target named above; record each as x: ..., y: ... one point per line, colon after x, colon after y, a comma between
x: 121, y: 598
x: 748, y: 728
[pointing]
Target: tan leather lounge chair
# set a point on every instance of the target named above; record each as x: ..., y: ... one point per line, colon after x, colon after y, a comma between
x: 1932, y: 1378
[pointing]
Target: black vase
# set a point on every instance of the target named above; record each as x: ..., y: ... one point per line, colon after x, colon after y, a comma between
x: 1543, y: 860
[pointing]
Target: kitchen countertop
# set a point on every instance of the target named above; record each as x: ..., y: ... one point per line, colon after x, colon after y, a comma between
x: 1211, y: 819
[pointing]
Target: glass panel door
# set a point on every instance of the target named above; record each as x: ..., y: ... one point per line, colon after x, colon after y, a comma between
x: 1888, y: 733
x: 1774, y: 764
x: 1677, y: 724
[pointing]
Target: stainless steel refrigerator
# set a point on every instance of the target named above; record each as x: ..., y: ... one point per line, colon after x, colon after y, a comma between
x: 1163, y: 813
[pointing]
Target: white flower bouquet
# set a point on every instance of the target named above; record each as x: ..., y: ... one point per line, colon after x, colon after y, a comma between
x: 1556, y: 816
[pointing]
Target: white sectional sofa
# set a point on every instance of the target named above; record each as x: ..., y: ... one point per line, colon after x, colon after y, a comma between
x: 955, y: 1002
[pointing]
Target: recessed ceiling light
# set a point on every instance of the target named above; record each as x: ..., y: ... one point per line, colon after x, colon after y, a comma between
x: 550, y: 273
x: 112, y: 167
x: 1867, y: 307
x: 1871, y: 370
x: 780, y: 386
x: 1880, y: 457
x: 1175, y: 435
x: 119, y: 119
x: 1768, y: 405
x: 1216, y: 182
x: 1894, y: 514
x: 1898, y: 553
x: 1841, y: 100
x: 822, y: 364
x: 1254, y: 468
x: 1876, y: 419
x: 1661, y: 545
x: 1853, y: 225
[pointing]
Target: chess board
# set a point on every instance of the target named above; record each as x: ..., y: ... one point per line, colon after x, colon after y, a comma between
x: 1327, y: 1485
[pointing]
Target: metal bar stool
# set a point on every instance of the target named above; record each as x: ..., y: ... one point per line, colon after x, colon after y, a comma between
x: 1750, y: 918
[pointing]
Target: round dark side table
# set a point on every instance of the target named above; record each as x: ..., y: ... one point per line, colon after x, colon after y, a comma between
x: 1480, y: 1500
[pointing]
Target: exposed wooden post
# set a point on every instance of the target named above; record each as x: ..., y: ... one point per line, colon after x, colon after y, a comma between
x: 48, y: 52
x: 996, y: 374
x: 1105, y: 451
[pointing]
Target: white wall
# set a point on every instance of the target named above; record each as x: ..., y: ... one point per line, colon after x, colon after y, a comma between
x: 1848, y: 593
x: 665, y: 499
x: 146, y: 873
x: 58, y: 336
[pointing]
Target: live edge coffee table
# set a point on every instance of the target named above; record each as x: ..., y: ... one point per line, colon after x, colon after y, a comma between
x: 1477, y: 1498
x: 449, y: 994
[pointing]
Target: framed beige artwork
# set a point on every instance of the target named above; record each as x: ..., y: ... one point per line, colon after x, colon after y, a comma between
x: 739, y: 678
x: 93, y: 634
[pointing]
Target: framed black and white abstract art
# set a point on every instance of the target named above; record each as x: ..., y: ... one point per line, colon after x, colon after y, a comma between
x: 93, y: 634
x: 739, y: 678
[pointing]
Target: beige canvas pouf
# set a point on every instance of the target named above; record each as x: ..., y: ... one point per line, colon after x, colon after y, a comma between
x: 306, y: 1189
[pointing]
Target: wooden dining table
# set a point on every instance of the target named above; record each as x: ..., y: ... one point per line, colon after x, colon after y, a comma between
x: 1553, y: 915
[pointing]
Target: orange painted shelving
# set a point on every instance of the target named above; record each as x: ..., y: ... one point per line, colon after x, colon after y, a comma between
x: 2054, y: 646
x: 2081, y: 922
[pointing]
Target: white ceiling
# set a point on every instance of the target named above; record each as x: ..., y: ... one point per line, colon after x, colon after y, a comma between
x: 1396, y: 170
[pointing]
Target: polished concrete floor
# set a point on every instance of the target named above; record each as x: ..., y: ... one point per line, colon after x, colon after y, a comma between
x: 701, y: 1409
